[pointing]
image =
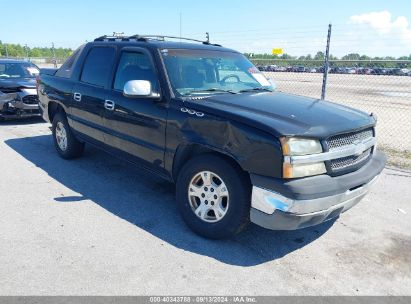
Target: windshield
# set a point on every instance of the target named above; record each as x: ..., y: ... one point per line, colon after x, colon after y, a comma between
x: 193, y: 72
x: 18, y: 70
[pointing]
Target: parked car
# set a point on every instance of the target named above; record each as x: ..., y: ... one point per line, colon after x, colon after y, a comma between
x: 366, y: 71
x: 270, y: 68
x: 350, y: 71
x: 337, y: 70
x: 380, y: 71
x: 400, y: 72
x: 405, y: 72
x: 18, y: 95
x: 236, y: 150
x: 299, y: 69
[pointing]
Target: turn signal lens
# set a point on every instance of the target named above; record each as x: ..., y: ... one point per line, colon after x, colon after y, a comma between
x: 302, y: 170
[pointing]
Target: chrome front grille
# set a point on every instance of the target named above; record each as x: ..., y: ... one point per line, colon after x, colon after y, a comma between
x: 343, y: 140
x: 30, y: 99
x: 350, y: 161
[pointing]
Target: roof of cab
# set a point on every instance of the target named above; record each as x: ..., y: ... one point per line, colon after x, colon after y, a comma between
x: 160, y: 44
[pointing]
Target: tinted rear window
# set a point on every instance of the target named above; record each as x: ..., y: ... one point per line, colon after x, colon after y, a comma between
x: 67, y: 68
x: 98, y: 65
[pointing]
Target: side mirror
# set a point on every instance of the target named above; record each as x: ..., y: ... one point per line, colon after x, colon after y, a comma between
x: 138, y: 88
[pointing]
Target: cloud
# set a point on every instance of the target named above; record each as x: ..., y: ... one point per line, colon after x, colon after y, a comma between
x: 385, y: 25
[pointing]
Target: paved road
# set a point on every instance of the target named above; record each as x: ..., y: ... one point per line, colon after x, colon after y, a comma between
x: 98, y: 226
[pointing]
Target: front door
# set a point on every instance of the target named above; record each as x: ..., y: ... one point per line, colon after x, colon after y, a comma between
x: 136, y: 126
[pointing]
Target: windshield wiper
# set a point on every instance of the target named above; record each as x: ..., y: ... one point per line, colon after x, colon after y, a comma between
x: 210, y: 90
x: 256, y: 90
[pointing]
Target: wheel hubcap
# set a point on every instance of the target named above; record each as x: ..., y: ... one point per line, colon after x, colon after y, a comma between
x: 61, y: 136
x: 208, y: 196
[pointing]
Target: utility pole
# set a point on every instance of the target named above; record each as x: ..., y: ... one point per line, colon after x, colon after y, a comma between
x: 27, y: 51
x: 326, y: 64
x: 7, y: 51
x: 180, y: 25
x: 54, y: 55
x: 207, y: 37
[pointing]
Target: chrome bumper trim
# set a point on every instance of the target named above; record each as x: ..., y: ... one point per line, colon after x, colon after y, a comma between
x: 268, y: 201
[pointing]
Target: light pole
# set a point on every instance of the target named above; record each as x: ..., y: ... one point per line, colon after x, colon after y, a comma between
x: 27, y: 51
x: 54, y: 55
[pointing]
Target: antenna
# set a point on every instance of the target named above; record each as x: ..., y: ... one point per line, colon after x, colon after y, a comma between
x: 118, y: 34
x: 180, y: 23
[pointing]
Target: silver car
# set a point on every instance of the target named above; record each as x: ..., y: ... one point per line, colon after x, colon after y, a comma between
x: 18, y: 95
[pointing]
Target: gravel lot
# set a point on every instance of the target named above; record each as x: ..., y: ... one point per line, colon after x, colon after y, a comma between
x: 96, y: 226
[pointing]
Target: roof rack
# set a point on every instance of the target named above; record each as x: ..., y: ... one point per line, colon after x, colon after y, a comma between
x: 113, y: 38
x: 120, y: 37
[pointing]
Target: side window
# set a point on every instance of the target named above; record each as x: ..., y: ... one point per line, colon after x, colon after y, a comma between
x: 67, y: 68
x: 97, y: 66
x: 134, y: 66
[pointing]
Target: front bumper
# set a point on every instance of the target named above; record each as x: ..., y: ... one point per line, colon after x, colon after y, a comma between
x: 294, y: 204
x: 19, y: 104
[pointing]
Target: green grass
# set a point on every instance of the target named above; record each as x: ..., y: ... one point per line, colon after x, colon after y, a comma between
x: 397, y: 158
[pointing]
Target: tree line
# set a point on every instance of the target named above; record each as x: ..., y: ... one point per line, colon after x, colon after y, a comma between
x: 17, y: 50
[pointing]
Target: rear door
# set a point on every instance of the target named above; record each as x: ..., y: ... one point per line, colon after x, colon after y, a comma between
x: 136, y: 126
x: 89, y: 93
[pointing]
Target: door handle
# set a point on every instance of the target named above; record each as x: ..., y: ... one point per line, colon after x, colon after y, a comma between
x: 109, y: 105
x: 77, y: 96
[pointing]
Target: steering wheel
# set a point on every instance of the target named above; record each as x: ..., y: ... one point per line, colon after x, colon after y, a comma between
x: 230, y: 76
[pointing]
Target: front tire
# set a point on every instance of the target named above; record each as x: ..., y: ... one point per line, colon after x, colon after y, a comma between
x: 213, y: 196
x: 67, y: 145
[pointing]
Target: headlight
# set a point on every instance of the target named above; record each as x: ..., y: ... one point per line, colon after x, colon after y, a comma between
x: 300, y: 146
x: 293, y: 146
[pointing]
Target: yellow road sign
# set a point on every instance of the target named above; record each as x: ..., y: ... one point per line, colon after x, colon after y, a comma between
x: 278, y: 51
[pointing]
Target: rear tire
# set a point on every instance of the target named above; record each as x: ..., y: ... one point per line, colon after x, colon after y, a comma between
x: 67, y: 145
x: 213, y: 196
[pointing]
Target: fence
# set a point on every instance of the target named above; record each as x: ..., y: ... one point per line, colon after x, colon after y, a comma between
x: 43, y: 62
x: 365, y: 85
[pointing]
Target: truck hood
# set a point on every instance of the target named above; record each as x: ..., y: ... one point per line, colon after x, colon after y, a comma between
x: 8, y: 83
x: 284, y: 114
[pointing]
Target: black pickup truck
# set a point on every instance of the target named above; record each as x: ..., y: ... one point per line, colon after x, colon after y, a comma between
x: 203, y: 117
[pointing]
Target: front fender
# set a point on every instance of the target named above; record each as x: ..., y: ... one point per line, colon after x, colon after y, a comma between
x: 254, y: 150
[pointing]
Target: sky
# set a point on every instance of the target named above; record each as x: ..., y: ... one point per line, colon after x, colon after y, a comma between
x: 371, y: 27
